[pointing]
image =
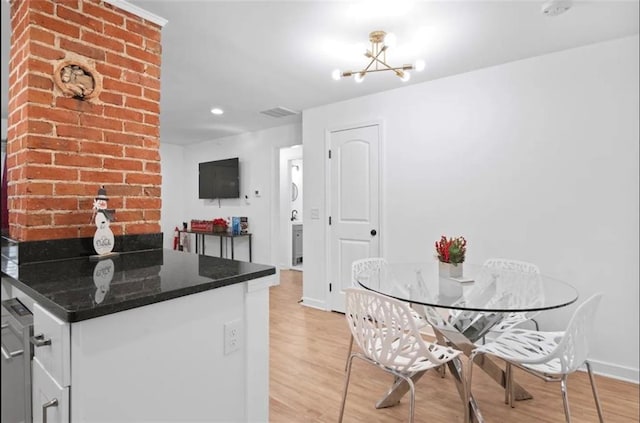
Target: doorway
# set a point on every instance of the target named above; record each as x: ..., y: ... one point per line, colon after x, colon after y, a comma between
x: 296, y: 214
x: 291, y: 220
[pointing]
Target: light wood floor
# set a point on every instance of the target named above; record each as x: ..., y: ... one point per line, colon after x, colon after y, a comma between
x: 308, y: 349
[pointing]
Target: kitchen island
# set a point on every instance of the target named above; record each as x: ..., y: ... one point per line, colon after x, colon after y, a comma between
x: 147, y: 336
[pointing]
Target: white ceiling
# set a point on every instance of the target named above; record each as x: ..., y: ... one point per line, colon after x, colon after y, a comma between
x: 246, y: 57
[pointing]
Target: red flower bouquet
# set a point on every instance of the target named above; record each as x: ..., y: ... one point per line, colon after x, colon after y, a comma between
x: 451, y: 250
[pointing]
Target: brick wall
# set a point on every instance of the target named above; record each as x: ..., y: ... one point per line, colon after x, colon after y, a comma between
x: 62, y: 148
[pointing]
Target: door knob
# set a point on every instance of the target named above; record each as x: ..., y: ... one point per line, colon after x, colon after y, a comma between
x: 373, y: 232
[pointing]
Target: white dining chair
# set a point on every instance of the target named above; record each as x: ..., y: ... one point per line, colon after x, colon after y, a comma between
x: 370, y: 265
x: 516, y: 266
x: 506, y: 272
x: 551, y: 356
x: 388, y: 337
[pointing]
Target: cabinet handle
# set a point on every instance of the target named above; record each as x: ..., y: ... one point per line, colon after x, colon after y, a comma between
x: 5, y: 351
x: 9, y: 355
x: 52, y: 403
x: 39, y: 341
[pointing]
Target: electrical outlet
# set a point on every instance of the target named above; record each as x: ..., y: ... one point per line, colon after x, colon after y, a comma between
x: 232, y: 336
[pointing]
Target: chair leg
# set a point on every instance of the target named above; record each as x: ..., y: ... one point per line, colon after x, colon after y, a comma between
x: 467, y: 410
x: 507, y: 383
x: 565, y: 398
x: 442, y: 370
x: 595, y: 391
x: 349, y: 352
x: 346, y: 386
x: 512, y: 390
x: 412, y: 398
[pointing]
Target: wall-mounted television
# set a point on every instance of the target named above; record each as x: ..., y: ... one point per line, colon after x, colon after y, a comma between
x: 219, y: 179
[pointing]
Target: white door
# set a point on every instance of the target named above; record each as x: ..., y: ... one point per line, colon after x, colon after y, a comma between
x: 355, y: 208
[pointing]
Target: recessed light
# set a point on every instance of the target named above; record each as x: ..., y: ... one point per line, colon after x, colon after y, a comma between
x: 217, y: 111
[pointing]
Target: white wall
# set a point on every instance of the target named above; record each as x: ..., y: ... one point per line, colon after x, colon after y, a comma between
x: 535, y: 160
x: 173, y: 198
x: 258, y: 154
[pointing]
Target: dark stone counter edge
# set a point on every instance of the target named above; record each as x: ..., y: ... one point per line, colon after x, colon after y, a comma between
x: 71, y: 316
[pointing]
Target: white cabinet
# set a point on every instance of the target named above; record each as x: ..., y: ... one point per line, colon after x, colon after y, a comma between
x: 296, y: 231
x: 51, y: 367
x: 50, y: 400
x: 161, y: 362
x: 55, y: 355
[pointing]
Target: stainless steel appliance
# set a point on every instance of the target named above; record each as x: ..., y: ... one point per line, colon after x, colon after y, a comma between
x: 17, y: 352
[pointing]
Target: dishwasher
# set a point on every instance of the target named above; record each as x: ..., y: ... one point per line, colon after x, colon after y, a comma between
x: 17, y: 352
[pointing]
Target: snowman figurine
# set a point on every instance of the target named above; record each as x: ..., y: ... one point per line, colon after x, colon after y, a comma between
x: 103, y: 240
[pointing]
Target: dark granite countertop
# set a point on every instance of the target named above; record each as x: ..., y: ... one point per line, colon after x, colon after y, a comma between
x: 80, y: 288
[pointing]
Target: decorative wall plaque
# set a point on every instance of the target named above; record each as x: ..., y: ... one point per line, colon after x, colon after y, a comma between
x: 76, y: 80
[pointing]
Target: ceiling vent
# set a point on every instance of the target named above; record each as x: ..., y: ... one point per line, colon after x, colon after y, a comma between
x: 555, y: 7
x: 279, y: 112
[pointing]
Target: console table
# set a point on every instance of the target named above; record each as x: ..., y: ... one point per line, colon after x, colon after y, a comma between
x: 223, y: 236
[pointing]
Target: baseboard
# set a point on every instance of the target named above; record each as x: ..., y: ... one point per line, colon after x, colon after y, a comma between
x: 615, y: 371
x: 292, y: 268
x: 308, y: 302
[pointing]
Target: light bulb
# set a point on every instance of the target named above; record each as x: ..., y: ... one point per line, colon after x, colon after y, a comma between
x: 405, y: 77
x: 419, y: 65
x: 359, y: 77
x: 390, y: 40
x: 336, y: 74
x: 217, y: 111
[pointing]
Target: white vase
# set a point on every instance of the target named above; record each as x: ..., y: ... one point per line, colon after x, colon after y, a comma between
x: 448, y: 270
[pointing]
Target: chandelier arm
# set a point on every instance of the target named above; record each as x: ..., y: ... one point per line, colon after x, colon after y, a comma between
x: 398, y: 69
x: 365, y: 70
x: 382, y: 62
x: 376, y: 58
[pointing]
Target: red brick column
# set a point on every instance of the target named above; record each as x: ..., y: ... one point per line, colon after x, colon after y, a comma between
x: 61, y: 147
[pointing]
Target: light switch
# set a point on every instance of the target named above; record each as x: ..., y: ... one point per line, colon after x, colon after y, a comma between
x: 315, y: 214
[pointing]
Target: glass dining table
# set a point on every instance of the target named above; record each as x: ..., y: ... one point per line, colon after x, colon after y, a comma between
x: 464, y: 311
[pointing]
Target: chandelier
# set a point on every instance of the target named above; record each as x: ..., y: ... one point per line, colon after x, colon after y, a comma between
x: 378, y: 61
